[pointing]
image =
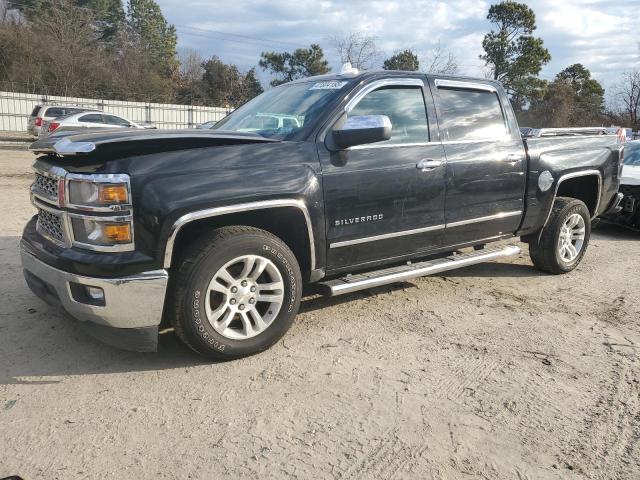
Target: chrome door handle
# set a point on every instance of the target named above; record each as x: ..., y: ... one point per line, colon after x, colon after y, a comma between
x: 513, y: 158
x: 426, y: 164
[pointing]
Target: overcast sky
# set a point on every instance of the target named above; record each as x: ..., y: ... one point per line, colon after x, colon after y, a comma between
x: 602, y: 35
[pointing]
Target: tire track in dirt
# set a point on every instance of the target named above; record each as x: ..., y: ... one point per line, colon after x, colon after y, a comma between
x: 390, y: 458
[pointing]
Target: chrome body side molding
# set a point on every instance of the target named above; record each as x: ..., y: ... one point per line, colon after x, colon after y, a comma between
x: 240, y: 207
x: 497, y: 216
x: 385, y: 236
x: 415, y: 231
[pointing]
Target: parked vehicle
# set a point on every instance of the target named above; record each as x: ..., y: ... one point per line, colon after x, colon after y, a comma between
x: 216, y: 232
x: 86, y: 120
x: 629, y: 209
x: 46, y: 113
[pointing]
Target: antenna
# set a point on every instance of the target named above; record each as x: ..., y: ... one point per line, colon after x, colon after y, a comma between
x: 347, y: 69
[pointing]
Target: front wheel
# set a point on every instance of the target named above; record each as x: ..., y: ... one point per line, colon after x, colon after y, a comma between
x: 563, y: 242
x: 236, y: 293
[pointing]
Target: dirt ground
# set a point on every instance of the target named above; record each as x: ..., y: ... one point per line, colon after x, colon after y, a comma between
x: 496, y: 371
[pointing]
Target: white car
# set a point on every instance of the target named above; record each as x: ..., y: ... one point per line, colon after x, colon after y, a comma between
x: 629, y: 214
x: 47, y: 113
x: 631, y: 168
x: 86, y: 120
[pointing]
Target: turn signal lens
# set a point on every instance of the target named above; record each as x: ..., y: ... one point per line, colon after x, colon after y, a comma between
x: 101, y: 233
x: 117, y: 232
x: 110, y: 194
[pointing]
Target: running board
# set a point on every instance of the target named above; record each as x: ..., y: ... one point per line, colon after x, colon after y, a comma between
x: 360, y: 281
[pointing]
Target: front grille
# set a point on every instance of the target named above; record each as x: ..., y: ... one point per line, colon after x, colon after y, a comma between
x: 50, y: 226
x: 48, y: 186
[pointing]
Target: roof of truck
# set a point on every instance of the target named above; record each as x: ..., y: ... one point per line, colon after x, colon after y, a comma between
x: 372, y: 74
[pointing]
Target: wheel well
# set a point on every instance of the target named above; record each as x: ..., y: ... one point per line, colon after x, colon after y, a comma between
x: 584, y: 188
x: 287, y: 223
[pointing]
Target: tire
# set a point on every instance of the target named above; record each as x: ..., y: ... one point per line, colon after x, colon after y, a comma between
x: 204, y: 283
x: 546, y: 250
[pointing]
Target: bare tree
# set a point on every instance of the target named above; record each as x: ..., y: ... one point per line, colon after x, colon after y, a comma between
x: 357, y: 48
x: 628, y: 94
x: 442, y: 61
x: 191, y: 68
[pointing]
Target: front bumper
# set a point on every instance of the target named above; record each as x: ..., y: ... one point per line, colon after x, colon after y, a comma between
x: 127, y: 314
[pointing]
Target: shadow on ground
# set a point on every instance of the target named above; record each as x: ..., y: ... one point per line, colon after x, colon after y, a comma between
x: 38, y: 340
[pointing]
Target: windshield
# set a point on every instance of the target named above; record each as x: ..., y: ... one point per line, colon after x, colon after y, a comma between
x: 632, y: 154
x: 285, y: 112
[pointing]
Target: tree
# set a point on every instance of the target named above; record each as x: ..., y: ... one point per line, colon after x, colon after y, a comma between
x: 224, y: 85
x: 154, y: 34
x: 588, y: 93
x: 109, y: 17
x: 441, y: 62
x: 627, y: 93
x: 512, y: 54
x: 404, y: 60
x: 303, y: 62
x: 357, y: 48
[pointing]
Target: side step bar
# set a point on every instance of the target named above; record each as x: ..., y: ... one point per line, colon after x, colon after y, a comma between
x: 353, y: 283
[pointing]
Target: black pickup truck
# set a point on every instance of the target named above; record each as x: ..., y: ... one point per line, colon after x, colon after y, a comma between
x: 332, y: 184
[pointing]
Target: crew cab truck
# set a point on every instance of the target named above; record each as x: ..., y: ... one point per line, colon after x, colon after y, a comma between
x: 384, y: 177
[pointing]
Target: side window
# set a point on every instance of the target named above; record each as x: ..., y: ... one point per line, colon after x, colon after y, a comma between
x: 91, y: 118
x: 471, y: 114
x: 113, y: 120
x: 54, y: 112
x: 405, y: 108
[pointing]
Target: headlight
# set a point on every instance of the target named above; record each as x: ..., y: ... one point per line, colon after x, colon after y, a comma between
x: 101, y: 233
x: 98, y: 194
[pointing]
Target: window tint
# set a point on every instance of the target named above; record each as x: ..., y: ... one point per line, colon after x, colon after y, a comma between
x: 289, y: 123
x: 113, y: 120
x: 470, y: 114
x: 405, y: 108
x: 35, y: 111
x: 632, y: 154
x: 54, y: 112
x: 91, y: 118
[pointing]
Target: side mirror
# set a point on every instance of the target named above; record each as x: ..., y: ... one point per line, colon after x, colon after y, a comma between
x: 361, y: 130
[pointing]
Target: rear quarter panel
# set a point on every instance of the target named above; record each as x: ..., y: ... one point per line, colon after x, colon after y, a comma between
x: 563, y: 156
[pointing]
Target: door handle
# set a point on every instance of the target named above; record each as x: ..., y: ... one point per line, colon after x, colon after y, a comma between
x: 427, y: 164
x: 513, y: 158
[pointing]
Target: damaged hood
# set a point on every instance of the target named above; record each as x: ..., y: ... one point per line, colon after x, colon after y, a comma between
x: 630, y: 175
x: 71, y: 143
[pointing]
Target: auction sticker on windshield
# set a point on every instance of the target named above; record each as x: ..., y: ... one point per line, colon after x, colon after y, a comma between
x: 331, y: 85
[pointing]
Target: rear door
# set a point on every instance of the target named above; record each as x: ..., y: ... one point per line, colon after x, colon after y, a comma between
x: 381, y: 201
x: 486, y: 167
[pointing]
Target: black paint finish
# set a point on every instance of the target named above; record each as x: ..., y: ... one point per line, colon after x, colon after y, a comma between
x: 175, y: 173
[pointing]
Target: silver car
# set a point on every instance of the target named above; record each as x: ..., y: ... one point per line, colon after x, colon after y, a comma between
x: 46, y: 113
x: 86, y: 120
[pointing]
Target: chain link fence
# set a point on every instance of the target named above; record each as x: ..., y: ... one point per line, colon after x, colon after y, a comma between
x: 15, y: 109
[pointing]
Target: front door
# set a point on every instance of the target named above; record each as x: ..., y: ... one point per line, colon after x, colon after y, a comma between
x: 486, y: 168
x: 386, y: 199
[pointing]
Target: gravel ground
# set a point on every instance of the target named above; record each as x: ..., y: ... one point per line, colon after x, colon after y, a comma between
x: 495, y: 371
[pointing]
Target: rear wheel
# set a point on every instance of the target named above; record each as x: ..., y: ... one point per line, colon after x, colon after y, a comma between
x: 563, y: 242
x: 236, y: 293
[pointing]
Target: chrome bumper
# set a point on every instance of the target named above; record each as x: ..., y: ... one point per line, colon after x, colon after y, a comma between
x: 132, y: 302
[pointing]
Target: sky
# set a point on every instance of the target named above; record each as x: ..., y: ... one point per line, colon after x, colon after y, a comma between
x: 602, y: 35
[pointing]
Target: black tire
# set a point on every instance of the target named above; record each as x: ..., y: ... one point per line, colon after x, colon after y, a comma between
x: 197, y: 267
x: 544, y: 250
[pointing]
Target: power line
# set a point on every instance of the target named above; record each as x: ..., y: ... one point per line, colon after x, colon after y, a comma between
x: 246, y: 37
